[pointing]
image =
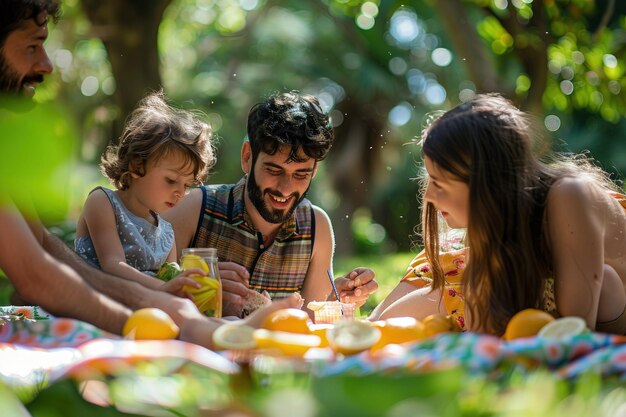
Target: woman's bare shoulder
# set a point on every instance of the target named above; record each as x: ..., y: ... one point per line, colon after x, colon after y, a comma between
x: 576, y: 192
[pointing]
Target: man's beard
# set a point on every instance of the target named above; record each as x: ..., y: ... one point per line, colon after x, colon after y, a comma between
x: 271, y: 216
x: 10, y: 81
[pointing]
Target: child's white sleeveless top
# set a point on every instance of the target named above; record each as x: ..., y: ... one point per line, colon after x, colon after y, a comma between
x: 146, y: 246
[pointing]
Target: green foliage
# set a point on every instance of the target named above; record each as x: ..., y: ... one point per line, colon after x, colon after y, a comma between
x: 221, y: 57
x: 36, y: 157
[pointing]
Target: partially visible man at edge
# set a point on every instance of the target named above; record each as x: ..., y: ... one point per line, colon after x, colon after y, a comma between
x: 43, y: 270
x: 268, y: 236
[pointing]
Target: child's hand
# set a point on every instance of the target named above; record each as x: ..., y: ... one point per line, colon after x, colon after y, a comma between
x: 176, y: 285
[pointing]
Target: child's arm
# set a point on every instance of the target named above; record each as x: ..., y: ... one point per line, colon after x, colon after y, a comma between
x: 100, y: 220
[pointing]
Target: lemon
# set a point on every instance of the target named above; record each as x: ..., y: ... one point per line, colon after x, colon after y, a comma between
x: 150, y: 324
x: 563, y: 327
x: 233, y: 336
x: 194, y: 261
x: 288, y: 320
x: 526, y: 323
x: 399, y: 330
x: 352, y: 336
x: 439, y: 323
x: 285, y: 343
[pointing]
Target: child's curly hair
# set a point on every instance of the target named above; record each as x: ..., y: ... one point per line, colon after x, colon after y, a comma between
x: 154, y: 130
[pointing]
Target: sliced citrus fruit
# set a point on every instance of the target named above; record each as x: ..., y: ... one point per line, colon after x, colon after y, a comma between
x: 288, y: 320
x: 399, y: 330
x: 194, y: 261
x: 316, y: 305
x: 563, y: 327
x: 352, y: 336
x: 285, y: 343
x: 439, y: 323
x: 234, y: 336
x: 321, y: 331
x: 150, y: 324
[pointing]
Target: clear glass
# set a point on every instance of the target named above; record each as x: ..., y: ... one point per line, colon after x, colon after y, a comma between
x: 333, y: 311
x: 208, y: 298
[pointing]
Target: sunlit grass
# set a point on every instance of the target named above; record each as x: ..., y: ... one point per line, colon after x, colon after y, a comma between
x: 389, y: 269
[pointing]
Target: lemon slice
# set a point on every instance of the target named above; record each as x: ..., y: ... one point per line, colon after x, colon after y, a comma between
x: 316, y: 305
x: 285, y: 343
x: 321, y: 331
x: 232, y: 336
x: 563, y: 327
x: 194, y: 261
x: 352, y: 336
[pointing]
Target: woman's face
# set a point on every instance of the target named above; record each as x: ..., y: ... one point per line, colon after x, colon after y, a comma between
x: 449, y: 195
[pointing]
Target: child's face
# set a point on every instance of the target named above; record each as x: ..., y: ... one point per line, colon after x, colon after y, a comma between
x: 164, y: 184
x: 449, y: 195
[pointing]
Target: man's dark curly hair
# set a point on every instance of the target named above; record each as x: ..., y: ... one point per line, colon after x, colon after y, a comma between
x: 293, y: 120
x: 14, y: 13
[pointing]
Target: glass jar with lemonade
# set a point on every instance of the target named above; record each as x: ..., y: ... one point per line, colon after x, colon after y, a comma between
x: 208, y: 298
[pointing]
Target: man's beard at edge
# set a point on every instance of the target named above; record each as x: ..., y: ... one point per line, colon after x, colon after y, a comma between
x: 256, y: 197
x: 10, y: 82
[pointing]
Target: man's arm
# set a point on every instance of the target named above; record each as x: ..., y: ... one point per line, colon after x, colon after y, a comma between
x: 43, y: 280
x: 317, y: 283
x: 184, y: 219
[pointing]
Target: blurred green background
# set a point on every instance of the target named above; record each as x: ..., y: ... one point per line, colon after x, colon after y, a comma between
x: 379, y: 67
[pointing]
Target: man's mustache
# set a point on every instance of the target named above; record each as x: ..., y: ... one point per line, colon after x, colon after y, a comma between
x: 32, y: 78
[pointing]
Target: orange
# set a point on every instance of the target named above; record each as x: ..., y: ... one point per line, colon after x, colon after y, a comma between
x: 439, y: 323
x: 150, y: 323
x: 399, y: 330
x: 526, y: 323
x: 285, y: 343
x: 352, y: 336
x: 288, y: 320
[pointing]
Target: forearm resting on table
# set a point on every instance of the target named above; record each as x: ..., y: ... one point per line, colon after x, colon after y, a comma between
x: 129, y: 293
x: 41, y: 279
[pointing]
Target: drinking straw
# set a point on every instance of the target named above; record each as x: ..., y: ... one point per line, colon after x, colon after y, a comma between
x: 332, y: 282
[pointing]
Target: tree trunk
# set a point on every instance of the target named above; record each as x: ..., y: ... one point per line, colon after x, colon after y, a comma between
x: 129, y: 30
x: 469, y: 46
x: 352, y: 164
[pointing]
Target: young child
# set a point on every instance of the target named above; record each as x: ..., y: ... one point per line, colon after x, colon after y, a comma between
x: 162, y: 152
x: 541, y: 233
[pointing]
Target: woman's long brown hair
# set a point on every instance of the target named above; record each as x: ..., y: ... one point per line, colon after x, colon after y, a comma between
x: 487, y: 143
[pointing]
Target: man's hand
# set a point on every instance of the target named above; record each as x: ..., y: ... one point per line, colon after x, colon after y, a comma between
x: 356, y: 286
x: 235, y: 288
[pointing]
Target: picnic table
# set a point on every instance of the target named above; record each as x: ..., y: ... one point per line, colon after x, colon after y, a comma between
x: 44, y: 358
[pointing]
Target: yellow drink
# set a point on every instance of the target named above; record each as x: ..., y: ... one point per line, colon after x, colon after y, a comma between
x: 208, y: 298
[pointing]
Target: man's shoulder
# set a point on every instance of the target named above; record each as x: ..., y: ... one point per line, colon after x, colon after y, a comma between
x: 217, y: 188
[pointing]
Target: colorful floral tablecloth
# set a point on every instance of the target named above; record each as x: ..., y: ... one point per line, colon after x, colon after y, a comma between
x: 34, y: 342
